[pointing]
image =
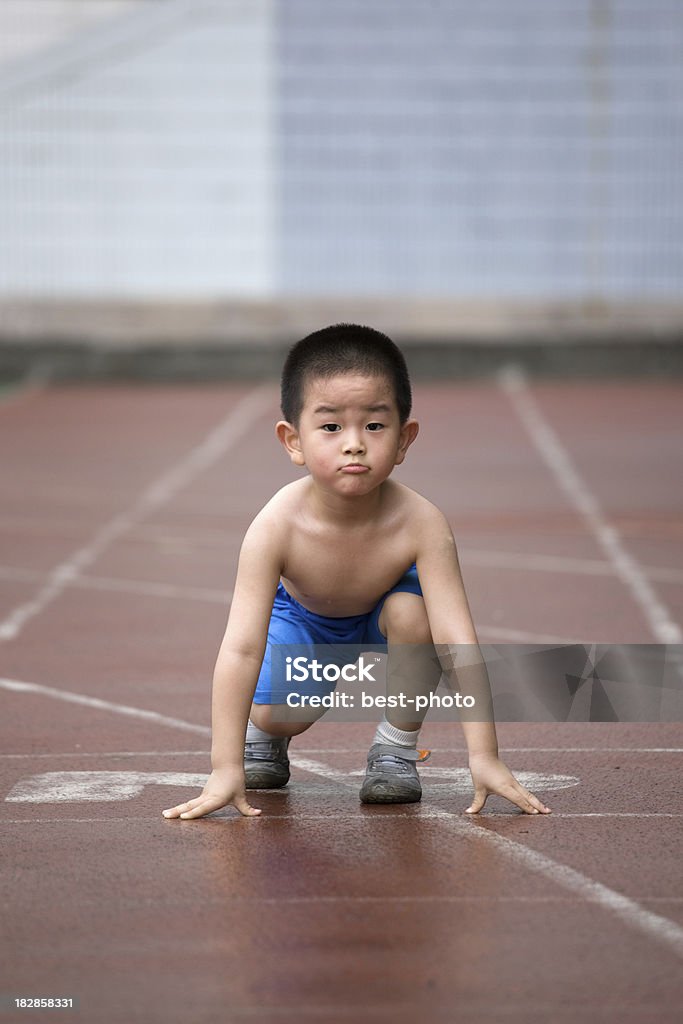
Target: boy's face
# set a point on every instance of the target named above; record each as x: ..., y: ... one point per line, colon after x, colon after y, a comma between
x: 349, y: 435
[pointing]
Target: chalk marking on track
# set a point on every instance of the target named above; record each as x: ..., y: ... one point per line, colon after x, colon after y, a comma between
x: 513, y: 382
x: 627, y: 910
x: 74, y: 787
x: 213, y: 447
x: 103, y: 705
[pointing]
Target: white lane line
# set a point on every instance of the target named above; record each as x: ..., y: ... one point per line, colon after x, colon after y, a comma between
x: 617, y: 814
x: 370, y: 816
x: 162, y: 535
x: 498, y: 634
x: 223, y: 597
x: 322, y: 770
x: 663, y: 930
x: 108, y: 706
x: 204, y: 455
x: 507, y: 750
x: 558, y: 563
x: 152, y: 589
x: 103, y: 705
x: 513, y: 381
x: 149, y: 588
x: 102, y: 755
x: 588, y: 750
x: 627, y: 910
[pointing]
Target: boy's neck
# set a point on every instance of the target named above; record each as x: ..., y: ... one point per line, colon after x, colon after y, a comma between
x: 333, y: 508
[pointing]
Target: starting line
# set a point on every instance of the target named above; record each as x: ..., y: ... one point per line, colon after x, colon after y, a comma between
x: 107, y: 787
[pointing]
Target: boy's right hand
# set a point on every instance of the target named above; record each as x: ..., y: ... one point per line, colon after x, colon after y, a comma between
x: 224, y: 786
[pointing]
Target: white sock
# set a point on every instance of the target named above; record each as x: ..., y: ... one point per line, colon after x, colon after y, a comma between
x: 254, y: 733
x: 388, y: 733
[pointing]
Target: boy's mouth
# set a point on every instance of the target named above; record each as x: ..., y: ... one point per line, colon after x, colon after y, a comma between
x: 355, y: 467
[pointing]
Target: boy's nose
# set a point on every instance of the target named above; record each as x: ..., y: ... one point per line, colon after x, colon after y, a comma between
x: 353, y: 445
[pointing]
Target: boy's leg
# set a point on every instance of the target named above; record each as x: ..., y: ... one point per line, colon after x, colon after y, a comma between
x: 272, y: 719
x: 271, y: 723
x: 412, y: 670
x: 266, y: 762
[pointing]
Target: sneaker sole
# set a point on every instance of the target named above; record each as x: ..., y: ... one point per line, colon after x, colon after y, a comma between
x: 380, y: 796
x: 263, y: 780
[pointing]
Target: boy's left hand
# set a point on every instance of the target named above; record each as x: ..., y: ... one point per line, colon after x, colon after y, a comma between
x: 490, y: 775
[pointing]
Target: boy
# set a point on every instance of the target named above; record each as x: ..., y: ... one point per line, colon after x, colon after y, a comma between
x: 345, y: 555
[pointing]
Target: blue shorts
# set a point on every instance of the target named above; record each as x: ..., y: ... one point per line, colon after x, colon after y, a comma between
x: 291, y: 623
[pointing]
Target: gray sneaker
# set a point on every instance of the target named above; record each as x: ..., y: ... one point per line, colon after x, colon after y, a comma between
x: 391, y: 776
x: 266, y: 765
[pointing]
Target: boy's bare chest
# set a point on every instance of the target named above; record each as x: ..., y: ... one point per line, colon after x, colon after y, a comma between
x: 341, y: 573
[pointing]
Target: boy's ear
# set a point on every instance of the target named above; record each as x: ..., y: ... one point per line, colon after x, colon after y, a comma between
x: 288, y: 436
x: 409, y: 432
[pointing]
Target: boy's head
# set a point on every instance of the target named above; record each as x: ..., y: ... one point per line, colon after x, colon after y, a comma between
x: 340, y: 349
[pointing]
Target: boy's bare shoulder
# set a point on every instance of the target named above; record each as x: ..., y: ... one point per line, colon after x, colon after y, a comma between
x: 422, y: 511
x: 427, y: 526
x: 277, y: 514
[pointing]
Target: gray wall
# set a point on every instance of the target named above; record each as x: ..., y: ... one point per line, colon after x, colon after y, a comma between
x: 261, y: 148
x: 509, y: 147
x: 135, y: 159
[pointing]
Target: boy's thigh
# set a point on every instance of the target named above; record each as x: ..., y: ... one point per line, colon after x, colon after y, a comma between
x: 293, y: 635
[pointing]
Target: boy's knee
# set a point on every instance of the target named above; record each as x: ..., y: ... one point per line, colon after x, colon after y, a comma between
x: 404, y: 619
x: 272, y: 719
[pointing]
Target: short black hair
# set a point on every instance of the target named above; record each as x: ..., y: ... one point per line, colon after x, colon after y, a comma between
x: 343, y: 348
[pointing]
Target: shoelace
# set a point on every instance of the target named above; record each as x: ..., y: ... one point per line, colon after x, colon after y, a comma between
x: 265, y: 750
x: 392, y: 762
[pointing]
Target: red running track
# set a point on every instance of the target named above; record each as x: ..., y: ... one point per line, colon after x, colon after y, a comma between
x: 122, y: 514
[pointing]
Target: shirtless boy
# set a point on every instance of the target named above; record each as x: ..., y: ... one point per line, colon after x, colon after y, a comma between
x: 342, y: 555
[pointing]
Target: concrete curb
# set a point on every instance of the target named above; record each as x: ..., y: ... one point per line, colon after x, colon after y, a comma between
x: 52, y: 360
x: 247, y: 339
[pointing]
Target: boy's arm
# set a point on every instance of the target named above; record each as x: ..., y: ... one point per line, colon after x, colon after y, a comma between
x: 237, y: 670
x: 455, y: 641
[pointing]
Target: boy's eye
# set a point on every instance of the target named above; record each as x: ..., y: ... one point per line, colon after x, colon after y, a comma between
x: 331, y: 428
x: 374, y: 426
